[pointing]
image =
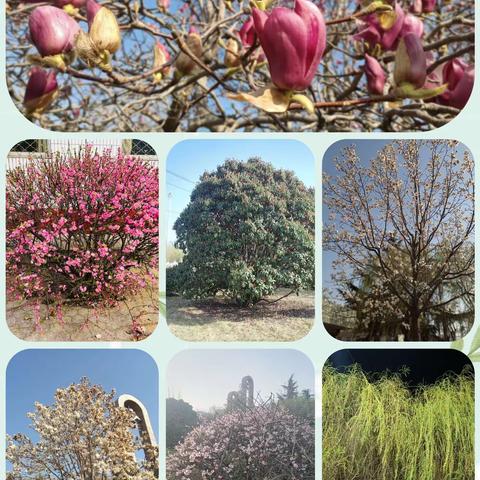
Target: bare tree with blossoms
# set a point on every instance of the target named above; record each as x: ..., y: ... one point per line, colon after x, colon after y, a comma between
x: 226, y: 65
x: 402, y: 229
x: 263, y: 442
x: 83, y: 435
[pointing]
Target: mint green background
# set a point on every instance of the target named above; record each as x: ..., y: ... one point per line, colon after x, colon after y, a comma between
x: 162, y: 345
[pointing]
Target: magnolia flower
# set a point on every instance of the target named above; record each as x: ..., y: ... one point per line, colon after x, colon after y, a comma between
x: 103, y: 27
x: 423, y: 6
x: 52, y: 30
x: 375, y: 75
x: 160, y: 57
x: 293, y: 42
x: 42, y: 88
x: 382, y: 29
x: 459, y: 76
x: 412, y: 24
x: 410, y: 62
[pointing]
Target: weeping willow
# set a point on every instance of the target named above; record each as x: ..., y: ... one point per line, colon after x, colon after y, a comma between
x: 379, y: 429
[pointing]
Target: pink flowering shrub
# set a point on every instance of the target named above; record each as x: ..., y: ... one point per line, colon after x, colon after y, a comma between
x: 265, y: 442
x: 82, y: 229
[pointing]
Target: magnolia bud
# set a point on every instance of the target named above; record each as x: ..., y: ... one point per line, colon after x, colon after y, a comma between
x: 185, y: 64
x: 160, y: 57
x: 231, y: 58
x: 410, y: 62
x: 42, y: 89
x: 103, y: 27
x: 52, y: 30
x: 294, y: 41
x: 375, y: 75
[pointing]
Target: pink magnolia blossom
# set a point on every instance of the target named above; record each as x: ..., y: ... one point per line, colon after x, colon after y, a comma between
x: 459, y: 76
x: 375, y: 75
x: 41, y: 89
x: 410, y: 62
x: 373, y: 33
x: 52, y: 30
x: 293, y: 42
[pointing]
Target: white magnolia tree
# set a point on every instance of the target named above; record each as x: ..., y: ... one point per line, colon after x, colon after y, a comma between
x: 83, y: 435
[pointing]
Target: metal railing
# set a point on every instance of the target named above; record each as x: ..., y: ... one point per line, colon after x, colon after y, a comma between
x: 27, y: 150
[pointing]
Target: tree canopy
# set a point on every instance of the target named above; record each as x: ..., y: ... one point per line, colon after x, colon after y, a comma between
x: 83, y: 435
x: 402, y: 228
x: 248, y: 230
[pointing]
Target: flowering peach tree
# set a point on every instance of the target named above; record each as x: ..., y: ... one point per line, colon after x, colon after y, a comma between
x: 261, y: 442
x: 83, y: 434
x: 227, y: 65
x: 81, y: 229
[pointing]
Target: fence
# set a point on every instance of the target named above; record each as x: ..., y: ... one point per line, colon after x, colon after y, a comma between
x: 27, y: 150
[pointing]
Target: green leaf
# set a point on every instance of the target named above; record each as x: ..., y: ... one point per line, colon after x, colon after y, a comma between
x: 458, y: 344
x: 475, y: 357
x: 475, y: 345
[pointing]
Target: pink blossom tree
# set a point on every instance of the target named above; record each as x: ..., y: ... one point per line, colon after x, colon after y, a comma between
x: 81, y: 229
x: 261, y: 442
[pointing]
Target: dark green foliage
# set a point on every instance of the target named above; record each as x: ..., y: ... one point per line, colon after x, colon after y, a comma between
x: 248, y: 230
x: 181, y: 419
x: 290, y: 389
x: 174, y: 279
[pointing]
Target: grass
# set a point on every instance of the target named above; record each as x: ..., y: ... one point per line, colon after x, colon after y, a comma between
x: 378, y: 429
x: 216, y: 319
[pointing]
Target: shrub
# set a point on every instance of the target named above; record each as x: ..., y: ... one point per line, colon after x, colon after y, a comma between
x: 379, y: 428
x: 248, y: 229
x: 82, y: 229
x: 174, y: 279
x: 264, y: 442
x: 180, y: 418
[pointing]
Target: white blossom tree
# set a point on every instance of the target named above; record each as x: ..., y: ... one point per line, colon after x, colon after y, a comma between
x: 83, y: 435
x: 402, y: 229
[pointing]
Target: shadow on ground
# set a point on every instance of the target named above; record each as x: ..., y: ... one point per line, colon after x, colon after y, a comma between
x: 216, y: 319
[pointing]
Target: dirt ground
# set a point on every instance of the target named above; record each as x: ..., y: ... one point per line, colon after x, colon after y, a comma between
x: 82, y: 324
x: 216, y: 320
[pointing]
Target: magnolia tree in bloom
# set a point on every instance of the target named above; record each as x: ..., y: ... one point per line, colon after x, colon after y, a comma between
x: 81, y: 229
x: 262, y: 442
x: 230, y: 65
x: 82, y: 435
x: 401, y: 227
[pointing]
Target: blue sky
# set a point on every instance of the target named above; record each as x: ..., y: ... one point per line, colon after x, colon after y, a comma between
x: 34, y: 375
x: 367, y: 150
x: 190, y: 159
x: 204, y: 378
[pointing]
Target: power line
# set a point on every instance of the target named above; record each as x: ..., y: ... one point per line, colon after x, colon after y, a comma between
x: 181, y: 177
x: 177, y: 186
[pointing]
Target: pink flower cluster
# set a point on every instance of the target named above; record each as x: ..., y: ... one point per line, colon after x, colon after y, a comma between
x: 263, y: 442
x: 81, y: 228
